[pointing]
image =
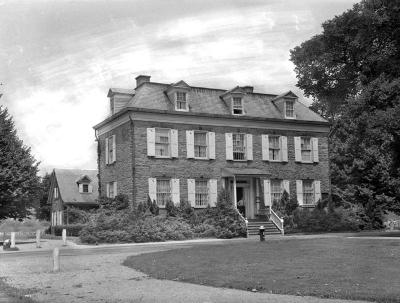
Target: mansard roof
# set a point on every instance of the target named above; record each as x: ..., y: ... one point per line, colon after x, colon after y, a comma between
x: 153, y: 96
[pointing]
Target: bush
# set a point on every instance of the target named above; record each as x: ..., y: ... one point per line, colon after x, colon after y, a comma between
x: 72, y: 229
x: 77, y: 215
x: 171, y: 209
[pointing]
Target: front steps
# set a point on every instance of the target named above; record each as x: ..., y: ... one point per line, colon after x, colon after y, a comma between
x: 254, y: 226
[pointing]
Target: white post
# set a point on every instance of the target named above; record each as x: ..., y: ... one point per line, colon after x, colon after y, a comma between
x: 234, y: 192
x: 56, y: 259
x: 64, y: 237
x: 13, y: 239
x: 38, y: 238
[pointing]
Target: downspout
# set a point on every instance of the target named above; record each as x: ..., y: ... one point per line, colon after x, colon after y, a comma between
x: 132, y: 126
x: 98, y: 162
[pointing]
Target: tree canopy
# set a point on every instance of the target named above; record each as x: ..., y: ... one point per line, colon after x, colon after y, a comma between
x: 18, y: 172
x: 352, y: 72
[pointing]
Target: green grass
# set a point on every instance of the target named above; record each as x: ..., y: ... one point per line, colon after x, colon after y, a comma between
x: 15, y: 295
x: 361, y: 269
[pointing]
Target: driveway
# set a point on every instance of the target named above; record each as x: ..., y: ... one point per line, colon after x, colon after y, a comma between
x: 96, y: 275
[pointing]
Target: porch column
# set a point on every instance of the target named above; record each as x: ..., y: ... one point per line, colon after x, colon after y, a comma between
x: 234, y: 192
x: 258, y: 194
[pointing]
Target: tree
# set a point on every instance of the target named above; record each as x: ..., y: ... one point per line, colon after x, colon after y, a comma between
x: 44, y: 209
x: 19, y: 183
x: 352, y: 72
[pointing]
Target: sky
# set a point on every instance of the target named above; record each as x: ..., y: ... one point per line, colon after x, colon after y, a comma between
x: 59, y: 58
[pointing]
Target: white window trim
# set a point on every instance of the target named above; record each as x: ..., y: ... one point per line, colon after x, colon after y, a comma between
x: 280, y: 148
x: 208, y: 193
x: 176, y: 102
x: 169, y: 143
x: 207, y: 145
x: 284, y: 109
x: 244, y: 147
x: 241, y: 101
x: 311, y: 151
x: 313, y: 193
x: 112, y: 184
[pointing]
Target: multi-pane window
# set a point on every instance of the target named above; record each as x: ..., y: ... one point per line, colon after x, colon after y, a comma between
x: 237, y: 106
x: 306, y: 150
x: 239, y: 148
x: 181, y: 102
x: 308, y: 192
x: 110, y: 190
x: 163, y: 191
x: 274, y: 148
x: 85, y: 188
x: 200, y: 144
x: 276, y: 191
x: 201, y: 193
x: 289, y: 109
x: 162, y: 142
x: 110, y: 149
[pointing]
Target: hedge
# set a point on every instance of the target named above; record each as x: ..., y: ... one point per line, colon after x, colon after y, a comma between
x: 72, y: 229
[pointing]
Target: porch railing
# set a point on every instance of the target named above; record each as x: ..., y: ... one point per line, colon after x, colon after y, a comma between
x: 245, y: 221
x: 276, y: 220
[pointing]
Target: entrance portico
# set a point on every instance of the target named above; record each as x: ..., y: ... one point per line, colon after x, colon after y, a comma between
x: 246, y: 189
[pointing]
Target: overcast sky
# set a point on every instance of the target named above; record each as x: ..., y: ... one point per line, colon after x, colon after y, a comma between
x: 58, y: 58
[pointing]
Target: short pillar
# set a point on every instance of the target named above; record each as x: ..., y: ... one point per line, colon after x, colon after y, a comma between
x: 38, y: 238
x: 261, y: 233
x: 13, y: 239
x: 56, y: 259
x: 64, y: 237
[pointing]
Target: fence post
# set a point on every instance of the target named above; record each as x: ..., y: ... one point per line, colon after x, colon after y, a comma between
x: 64, y: 237
x: 56, y: 259
x: 38, y: 238
x: 13, y: 239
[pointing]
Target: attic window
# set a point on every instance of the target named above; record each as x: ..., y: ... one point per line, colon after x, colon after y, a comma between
x: 289, y: 109
x: 237, y: 106
x: 181, y: 101
x: 85, y: 188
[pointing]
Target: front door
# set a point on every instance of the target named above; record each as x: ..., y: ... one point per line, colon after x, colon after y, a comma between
x: 243, y: 200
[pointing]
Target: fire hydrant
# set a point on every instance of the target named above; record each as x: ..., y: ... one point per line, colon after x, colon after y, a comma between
x: 261, y: 232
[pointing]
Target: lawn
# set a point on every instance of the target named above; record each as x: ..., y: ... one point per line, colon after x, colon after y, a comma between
x: 360, y: 268
x: 13, y: 295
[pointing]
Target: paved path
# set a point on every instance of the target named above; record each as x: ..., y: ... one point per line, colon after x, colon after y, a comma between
x: 96, y: 275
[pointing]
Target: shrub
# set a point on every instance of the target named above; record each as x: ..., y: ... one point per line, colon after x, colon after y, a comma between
x: 224, y: 200
x: 76, y: 215
x: 72, y: 229
x: 171, y: 209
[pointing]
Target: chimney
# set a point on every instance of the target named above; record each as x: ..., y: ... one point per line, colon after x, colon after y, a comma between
x: 141, y: 79
x: 248, y: 89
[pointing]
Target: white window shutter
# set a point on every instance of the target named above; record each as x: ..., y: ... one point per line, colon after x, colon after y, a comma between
x: 317, y: 190
x: 107, y: 148
x: 174, y: 143
x: 191, y: 185
x: 299, y: 191
x: 90, y: 188
x: 115, y: 189
x: 315, y: 149
x: 114, y: 154
x: 284, y: 150
x: 286, y: 186
x: 265, y: 147
x: 212, y: 191
x: 175, y: 194
x: 108, y: 190
x: 151, y: 142
x: 211, y: 145
x: 297, y: 149
x: 267, y: 192
x: 249, y: 146
x: 190, y: 144
x: 229, y: 146
x: 152, y: 189
x: 80, y: 185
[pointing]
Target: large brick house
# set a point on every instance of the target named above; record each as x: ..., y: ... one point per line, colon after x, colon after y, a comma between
x: 179, y: 142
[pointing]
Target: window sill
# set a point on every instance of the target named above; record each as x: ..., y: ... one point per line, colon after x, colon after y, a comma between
x: 112, y: 163
x: 161, y: 157
x: 308, y: 205
x: 200, y: 206
x: 181, y: 110
x: 198, y: 158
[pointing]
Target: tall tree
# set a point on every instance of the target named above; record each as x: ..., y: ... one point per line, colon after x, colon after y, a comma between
x: 19, y: 182
x: 44, y: 209
x: 352, y: 72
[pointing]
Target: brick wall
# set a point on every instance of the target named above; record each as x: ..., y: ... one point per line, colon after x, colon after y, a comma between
x: 183, y: 168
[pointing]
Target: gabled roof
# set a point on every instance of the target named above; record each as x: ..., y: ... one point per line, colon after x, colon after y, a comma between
x: 236, y: 89
x: 288, y: 94
x: 124, y: 91
x: 152, y: 95
x: 67, y: 180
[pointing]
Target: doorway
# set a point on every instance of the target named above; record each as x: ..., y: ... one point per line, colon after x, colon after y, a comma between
x: 243, y: 198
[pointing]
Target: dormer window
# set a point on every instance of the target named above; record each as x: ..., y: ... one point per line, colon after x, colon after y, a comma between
x: 237, y: 106
x: 84, y: 185
x: 289, y: 109
x: 181, y: 101
x: 85, y: 188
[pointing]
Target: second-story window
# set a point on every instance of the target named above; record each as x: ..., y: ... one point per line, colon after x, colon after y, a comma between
x: 274, y: 148
x: 237, y: 106
x: 289, y: 109
x: 239, y: 148
x: 181, y: 101
x: 200, y: 144
x: 162, y: 142
x: 306, y: 149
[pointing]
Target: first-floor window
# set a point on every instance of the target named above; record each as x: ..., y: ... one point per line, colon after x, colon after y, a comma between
x: 111, y: 190
x: 276, y: 191
x: 239, y: 148
x: 201, y: 193
x: 163, y: 191
x: 308, y: 192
